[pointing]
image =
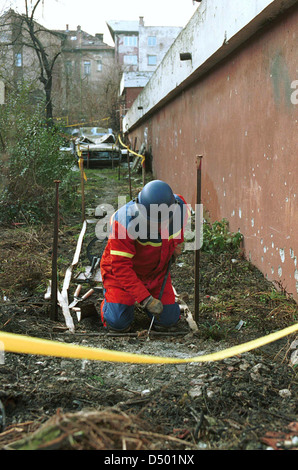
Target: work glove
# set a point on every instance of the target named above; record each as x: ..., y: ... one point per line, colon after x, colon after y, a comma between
x: 153, y: 305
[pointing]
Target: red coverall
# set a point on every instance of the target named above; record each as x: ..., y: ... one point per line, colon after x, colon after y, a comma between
x: 133, y: 269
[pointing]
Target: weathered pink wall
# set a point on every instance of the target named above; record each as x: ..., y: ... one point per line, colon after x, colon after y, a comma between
x: 240, y: 117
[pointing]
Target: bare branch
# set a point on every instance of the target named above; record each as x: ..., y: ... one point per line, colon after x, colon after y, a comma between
x: 28, y: 34
x: 34, y: 9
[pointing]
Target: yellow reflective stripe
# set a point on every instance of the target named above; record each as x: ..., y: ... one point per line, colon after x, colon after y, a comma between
x: 175, y: 234
x: 149, y: 243
x: 122, y: 253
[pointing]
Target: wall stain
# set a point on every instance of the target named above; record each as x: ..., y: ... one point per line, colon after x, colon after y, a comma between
x: 281, y: 81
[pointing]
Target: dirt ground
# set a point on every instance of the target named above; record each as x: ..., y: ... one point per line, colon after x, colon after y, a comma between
x: 245, y: 402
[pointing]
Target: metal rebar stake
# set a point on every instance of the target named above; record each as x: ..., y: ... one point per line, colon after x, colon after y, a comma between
x: 129, y: 175
x: 197, y: 252
x: 54, y: 309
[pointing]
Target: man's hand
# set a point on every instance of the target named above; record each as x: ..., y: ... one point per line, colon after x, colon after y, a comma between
x: 153, y: 305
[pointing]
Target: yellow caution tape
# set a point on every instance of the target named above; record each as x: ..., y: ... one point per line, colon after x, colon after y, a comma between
x: 82, y: 124
x: 81, y: 163
x: 10, y: 342
x: 131, y: 151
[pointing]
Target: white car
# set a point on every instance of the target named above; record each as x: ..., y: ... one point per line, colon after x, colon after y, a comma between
x: 97, y: 147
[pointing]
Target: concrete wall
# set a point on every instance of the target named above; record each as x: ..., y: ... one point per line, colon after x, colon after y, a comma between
x: 165, y: 36
x: 241, y: 113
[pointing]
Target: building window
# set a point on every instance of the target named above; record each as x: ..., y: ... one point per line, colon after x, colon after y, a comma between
x: 152, y: 60
x: 68, y: 67
x: 87, y: 67
x: 130, y: 40
x: 99, y: 65
x: 131, y: 59
x: 151, y: 40
x: 18, y: 59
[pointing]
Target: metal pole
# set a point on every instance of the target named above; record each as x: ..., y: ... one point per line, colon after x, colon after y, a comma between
x: 197, y: 252
x: 119, y: 165
x: 161, y: 291
x: 129, y: 176
x: 54, y: 309
x: 82, y: 188
x: 143, y: 173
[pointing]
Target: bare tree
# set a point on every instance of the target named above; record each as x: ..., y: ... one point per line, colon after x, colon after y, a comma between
x: 45, y: 44
x: 46, y: 63
x: 95, y: 101
x: 109, y: 95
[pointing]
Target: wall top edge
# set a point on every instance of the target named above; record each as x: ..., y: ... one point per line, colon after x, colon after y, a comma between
x: 215, y: 30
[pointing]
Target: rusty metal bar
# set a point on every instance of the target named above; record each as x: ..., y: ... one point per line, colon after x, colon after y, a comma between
x: 119, y: 165
x: 197, y: 252
x: 143, y: 173
x: 54, y: 288
x: 82, y: 189
x: 129, y: 175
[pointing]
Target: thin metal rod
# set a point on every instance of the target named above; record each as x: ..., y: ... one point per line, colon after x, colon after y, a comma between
x: 144, y: 173
x: 119, y: 165
x: 129, y: 175
x: 161, y: 291
x: 54, y: 307
x: 149, y: 330
x: 82, y: 189
x: 197, y: 252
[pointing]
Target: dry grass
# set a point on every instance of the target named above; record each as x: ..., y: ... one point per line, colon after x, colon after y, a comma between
x: 109, y: 429
x: 25, y: 259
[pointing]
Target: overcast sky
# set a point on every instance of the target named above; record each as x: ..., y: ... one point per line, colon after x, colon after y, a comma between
x: 92, y: 15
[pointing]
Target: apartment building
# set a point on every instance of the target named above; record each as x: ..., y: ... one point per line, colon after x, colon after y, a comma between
x: 18, y: 58
x: 85, y: 56
x: 84, y: 61
x: 139, y: 49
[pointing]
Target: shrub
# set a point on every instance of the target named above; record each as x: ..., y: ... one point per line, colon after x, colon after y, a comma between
x: 218, y: 239
x: 33, y: 161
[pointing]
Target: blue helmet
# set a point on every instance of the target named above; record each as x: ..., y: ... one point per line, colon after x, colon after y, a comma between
x: 155, y: 193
